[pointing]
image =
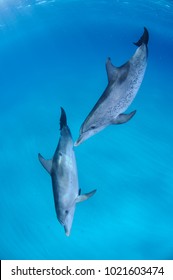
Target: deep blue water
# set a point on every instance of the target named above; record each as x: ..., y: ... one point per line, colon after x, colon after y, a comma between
x: 52, y: 54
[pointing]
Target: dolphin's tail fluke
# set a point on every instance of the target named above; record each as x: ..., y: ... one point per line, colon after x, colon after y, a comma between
x: 144, y: 39
x: 63, y: 119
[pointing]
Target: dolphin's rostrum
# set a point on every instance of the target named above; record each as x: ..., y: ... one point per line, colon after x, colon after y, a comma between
x: 63, y: 171
x: 123, y: 85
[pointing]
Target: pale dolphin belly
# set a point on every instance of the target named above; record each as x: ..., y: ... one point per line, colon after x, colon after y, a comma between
x: 65, y: 181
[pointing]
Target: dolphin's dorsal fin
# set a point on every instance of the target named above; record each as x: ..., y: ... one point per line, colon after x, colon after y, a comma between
x: 47, y: 163
x: 115, y: 73
x: 63, y: 119
x: 83, y: 197
x: 111, y: 70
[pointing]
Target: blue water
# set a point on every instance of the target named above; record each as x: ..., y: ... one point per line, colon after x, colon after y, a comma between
x: 52, y: 54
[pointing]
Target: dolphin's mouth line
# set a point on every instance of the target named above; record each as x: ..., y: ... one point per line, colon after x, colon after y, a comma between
x: 80, y: 138
x: 61, y: 222
x: 77, y: 142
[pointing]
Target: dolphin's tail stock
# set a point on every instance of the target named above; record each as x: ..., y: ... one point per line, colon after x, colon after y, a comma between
x: 63, y: 119
x: 144, y: 38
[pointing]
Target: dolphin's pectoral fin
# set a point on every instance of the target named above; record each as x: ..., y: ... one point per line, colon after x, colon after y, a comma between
x: 47, y: 163
x: 83, y: 197
x: 123, y: 118
x: 111, y: 70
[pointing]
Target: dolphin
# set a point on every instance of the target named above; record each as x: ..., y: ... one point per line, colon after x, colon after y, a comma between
x: 123, y: 85
x: 63, y: 171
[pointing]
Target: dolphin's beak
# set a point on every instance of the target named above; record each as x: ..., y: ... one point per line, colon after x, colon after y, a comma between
x: 83, y: 136
x: 67, y: 231
x: 78, y: 141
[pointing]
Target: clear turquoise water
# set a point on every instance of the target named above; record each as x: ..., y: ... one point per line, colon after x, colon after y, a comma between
x: 52, y: 54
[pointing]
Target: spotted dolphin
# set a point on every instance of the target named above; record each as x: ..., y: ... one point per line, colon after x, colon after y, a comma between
x: 63, y: 171
x: 123, y: 85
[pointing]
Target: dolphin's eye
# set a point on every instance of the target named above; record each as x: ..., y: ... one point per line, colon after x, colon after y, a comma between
x: 66, y: 211
x: 93, y: 126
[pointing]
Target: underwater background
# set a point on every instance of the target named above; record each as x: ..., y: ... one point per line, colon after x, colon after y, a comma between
x: 52, y: 54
